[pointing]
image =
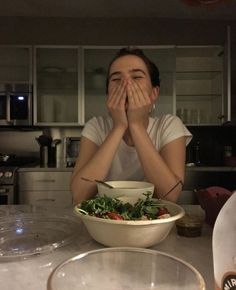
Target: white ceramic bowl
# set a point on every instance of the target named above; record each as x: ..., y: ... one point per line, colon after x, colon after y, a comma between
x: 123, y: 233
x: 126, y: 188
x: 125, y: 269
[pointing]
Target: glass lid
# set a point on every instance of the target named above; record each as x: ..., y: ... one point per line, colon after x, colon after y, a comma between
x: 28, y: 233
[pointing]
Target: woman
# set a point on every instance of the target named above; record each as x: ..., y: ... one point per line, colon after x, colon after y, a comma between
x: 129, y: 144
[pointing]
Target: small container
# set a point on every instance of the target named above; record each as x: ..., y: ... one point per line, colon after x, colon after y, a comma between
x: 189, y: 226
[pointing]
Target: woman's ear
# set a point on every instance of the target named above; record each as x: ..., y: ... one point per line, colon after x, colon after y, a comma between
x: 155, y: 94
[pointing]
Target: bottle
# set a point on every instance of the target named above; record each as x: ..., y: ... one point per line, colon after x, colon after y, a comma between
x: 227, y: 154
x: 224, y: 246
x: 196, y: 150
x: 43, y: 156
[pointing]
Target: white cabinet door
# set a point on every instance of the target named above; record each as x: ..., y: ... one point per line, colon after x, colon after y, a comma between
x: 56, y: 85
x: 48, y: 198
x: 96, y: 62
x: 15, y: 64
x: 44, y: 180
x: 164, y: 58
x: 45, y: 188
x: 199, y: 84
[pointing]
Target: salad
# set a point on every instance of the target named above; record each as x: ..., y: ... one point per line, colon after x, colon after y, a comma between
x: 113, y: 208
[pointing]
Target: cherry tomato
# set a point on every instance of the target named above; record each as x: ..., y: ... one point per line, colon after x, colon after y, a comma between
x: 162, y: 210
x: 114, y: 216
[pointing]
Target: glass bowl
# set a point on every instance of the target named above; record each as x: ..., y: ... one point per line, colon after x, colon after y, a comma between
x: 28, y: 234
x: 125, y: 268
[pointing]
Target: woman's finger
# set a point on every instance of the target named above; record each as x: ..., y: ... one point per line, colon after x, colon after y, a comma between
x: 117, y: 94
x: 130, y: 95
x: 143, y: 93
x: 136, y: 94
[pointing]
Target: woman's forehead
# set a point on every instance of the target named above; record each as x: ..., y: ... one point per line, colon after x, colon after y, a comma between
x: 128, y: 63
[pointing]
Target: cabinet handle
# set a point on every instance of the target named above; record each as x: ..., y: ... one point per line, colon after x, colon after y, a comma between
x: 3, y: 190
x: 46, y: 199
x: 45, y: 180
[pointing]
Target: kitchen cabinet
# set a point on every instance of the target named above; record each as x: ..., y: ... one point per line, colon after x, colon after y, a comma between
x: 96, y: 61
x: 57, y: 85
x: 70, y: 83
x: 200, y: 86
x: 45, y: 187
x: 164, y: 58
x: 15, y: 65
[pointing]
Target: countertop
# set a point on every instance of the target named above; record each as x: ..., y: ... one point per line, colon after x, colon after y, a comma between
x: 187, y: 168
x: 32, y: 273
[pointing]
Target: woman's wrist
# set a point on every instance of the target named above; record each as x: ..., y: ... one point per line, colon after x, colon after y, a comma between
x: 118, y: 131
x: 137, y: 127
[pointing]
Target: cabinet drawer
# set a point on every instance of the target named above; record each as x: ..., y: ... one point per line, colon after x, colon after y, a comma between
x: 44, y: 180
x: 54, y: 198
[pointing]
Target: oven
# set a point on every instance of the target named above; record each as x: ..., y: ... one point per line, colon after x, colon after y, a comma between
x: 8, y: 185
x: 9, y: 165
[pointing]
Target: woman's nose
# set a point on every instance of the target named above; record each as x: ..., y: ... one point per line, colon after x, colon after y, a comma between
x: 126, y: 78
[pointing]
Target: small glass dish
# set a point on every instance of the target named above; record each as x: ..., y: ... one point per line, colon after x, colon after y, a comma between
x: 189, y: 226
x: 125, y: 268
x: 28, y: 234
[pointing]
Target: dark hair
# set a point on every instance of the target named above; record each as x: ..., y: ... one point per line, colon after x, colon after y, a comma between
x: 152, y: 68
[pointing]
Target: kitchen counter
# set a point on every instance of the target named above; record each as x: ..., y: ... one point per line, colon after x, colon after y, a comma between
x: 211, y: 168
x: 32, y: 273
x: 187, y: 168
x: 46, y: 169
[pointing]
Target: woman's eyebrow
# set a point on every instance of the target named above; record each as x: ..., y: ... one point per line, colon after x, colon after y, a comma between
x: 134, y: 70
x: 114, y: 73
x: 138, y: 70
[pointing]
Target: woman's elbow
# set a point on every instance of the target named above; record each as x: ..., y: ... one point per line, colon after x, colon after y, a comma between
x: 74, y: 191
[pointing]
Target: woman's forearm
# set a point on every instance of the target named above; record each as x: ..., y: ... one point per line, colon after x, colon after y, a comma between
x: 96, y: 167
x: 164, y: 174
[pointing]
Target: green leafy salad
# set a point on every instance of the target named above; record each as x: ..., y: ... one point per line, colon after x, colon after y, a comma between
x: 113, y: 208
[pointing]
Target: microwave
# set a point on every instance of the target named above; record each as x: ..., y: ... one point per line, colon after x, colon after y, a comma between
x: 16, y: 104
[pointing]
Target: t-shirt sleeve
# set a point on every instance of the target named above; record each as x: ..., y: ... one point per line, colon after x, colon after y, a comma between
x: 173, y: 128
x: 92, y: 131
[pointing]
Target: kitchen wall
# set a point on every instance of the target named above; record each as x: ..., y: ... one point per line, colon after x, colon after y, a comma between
x: 104, y: 31
x: 108, y: 31
x: 21, y: 142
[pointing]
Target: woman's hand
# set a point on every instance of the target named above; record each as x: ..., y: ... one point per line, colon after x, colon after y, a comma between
x: 139, y: 103
x: 116, y: 103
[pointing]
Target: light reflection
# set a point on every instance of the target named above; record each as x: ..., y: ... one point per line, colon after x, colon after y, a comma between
x: 46, y: 265
x: 19, y: 231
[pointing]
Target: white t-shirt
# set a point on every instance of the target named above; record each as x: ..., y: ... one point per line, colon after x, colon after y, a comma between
x: 126, y: 164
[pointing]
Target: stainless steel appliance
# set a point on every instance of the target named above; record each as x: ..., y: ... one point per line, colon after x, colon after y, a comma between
x: 71, y: 150
x: 9, y: 176
x: 8, y: 183
x: 15, y: 104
